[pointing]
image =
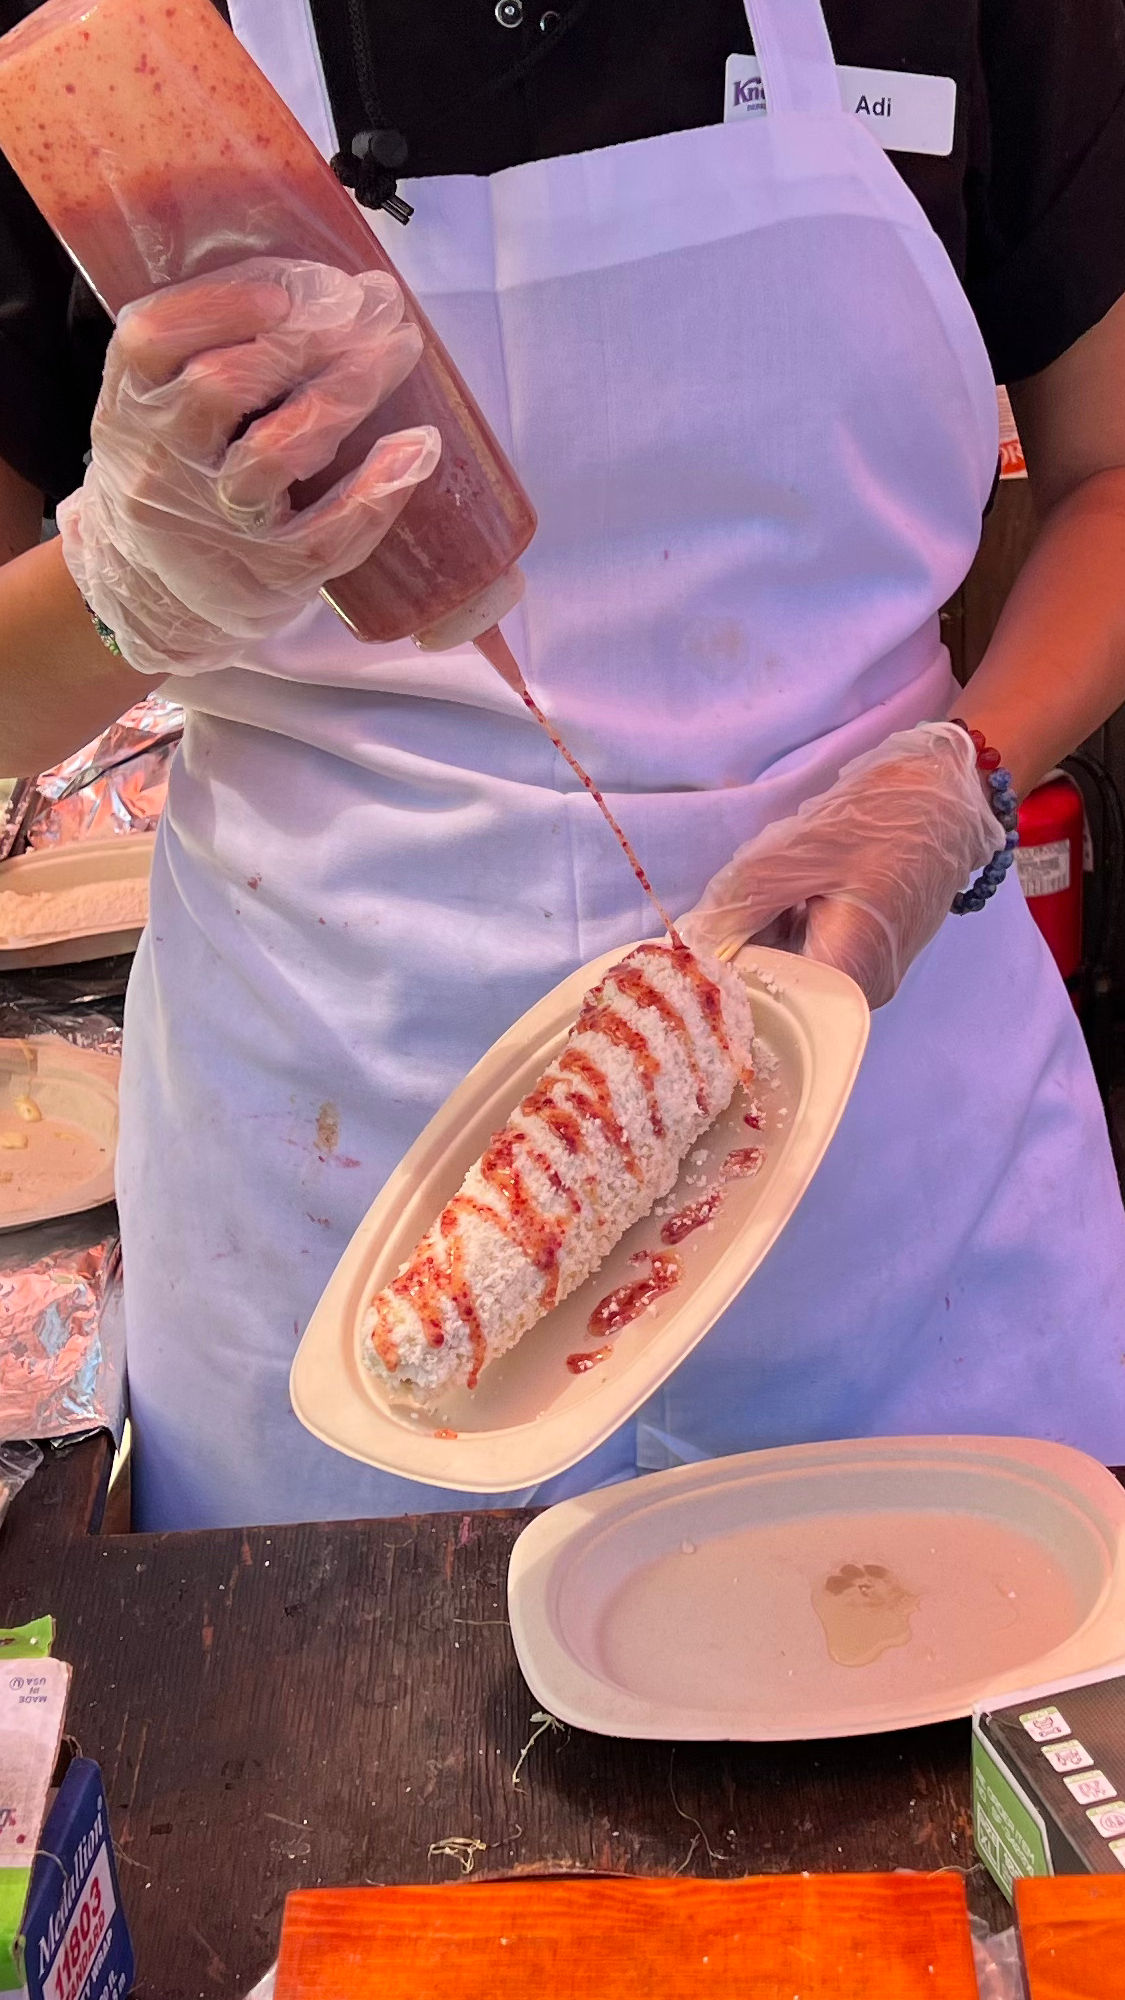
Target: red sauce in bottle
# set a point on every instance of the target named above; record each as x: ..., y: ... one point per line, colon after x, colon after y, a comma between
x: 627, y: 1301
x: 692, y: 1217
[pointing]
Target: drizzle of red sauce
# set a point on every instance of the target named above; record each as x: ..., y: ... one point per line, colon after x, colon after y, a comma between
x: 423, y: 1286
x: 383, y: 1340
x: 598, y: 1018
x: 620, y: 836
x: 632, y: 985
x: 538, y: 1235
x: 461, y: 1293
x: 581, y: 1364
x: 627, y: 1301
x: 741, y: 1164
x: 565, y: 1124
x: 438, y: 1277
x: 692, y: 1217
x: 445, y: 1434
x: 707, y: 993
x: 596, y: 1102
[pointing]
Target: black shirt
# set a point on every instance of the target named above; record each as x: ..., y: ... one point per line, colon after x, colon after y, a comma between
x: 1030, y: 204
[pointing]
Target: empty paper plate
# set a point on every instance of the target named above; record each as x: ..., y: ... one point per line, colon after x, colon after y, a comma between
x: 821, y: 1590
x: 538, y: 1409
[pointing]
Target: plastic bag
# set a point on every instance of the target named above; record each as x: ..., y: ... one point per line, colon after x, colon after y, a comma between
x: 17, y: 1463
x: 998, y: 1963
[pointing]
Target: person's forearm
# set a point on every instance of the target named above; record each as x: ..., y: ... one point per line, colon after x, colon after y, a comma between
x: 1056, y: 667
x: 59, y: 686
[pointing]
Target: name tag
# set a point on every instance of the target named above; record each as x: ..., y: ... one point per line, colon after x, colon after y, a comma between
x: 907, y: 113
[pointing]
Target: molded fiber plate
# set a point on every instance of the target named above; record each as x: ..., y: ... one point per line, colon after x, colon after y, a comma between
x: 532, y: 1417
x: 77, y: 864
x: 822, y: 1589
x: 67, y: 1166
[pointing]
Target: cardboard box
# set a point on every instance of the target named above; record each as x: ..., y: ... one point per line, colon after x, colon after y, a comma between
x: 1049, y: 1780
x: 63, y: 1934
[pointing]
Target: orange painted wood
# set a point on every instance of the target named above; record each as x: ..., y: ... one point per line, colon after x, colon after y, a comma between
x: 772, y: 1937
x: 1072, y: 1929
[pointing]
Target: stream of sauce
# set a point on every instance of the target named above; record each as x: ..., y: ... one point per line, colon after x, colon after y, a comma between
x: 496, y: 650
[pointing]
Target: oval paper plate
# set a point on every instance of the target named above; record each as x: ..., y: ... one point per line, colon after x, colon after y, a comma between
x: 532, y: 1417
x: 70, y: 873
x: 67, y: 1164
x: 821, y: 1590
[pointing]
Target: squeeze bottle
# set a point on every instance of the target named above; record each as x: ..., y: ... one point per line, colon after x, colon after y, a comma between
x: 158, y: 151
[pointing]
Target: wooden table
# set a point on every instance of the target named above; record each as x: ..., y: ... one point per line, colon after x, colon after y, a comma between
x: 329, y: 1704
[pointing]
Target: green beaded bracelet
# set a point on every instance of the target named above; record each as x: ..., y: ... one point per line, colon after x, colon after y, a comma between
x: 104, y: 633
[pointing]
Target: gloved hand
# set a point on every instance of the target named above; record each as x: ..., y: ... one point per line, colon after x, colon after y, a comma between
x: 861, y: 877
x: 183, y: 538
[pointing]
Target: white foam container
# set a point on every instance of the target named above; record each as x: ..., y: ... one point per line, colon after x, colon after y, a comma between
x: 68, y: 1164
x: 683, y: 1606
x: 531, y: 1417
x: 77, y: 864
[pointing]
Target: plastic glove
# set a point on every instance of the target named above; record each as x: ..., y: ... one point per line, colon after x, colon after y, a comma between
x: 184, y: 536
x: 863, y: 876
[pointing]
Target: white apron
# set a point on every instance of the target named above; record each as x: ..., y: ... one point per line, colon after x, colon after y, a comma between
x: 738, y: 376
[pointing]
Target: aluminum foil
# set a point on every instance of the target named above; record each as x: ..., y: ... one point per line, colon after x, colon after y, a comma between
x: 62, y: 1334
x: 117, y: 784
x: 22, y: 1020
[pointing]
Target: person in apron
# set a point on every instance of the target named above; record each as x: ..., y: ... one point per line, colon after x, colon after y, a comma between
x: 735, y: 369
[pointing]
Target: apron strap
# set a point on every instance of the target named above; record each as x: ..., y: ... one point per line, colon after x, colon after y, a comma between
x: 792, y: 45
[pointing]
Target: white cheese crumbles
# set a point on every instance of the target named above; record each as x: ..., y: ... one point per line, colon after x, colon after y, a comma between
x: 656, y: 1054
x: 86, y: 908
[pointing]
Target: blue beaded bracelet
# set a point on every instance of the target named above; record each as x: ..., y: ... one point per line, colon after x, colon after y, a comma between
x: 1006, y: 807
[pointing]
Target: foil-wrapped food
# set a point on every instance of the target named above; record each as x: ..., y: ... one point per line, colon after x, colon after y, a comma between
x: 117, y: 784
x: 62, y: 1345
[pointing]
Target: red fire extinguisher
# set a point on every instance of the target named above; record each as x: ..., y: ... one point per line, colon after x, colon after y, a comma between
x: 1050, y: 858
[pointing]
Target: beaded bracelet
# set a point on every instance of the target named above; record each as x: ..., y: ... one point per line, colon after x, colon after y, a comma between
x: 105, y: 634
x: 1006, y: 807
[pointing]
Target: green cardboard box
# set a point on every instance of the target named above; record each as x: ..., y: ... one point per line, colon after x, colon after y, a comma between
x: 1049, y: 1780
x: 33, y: 1692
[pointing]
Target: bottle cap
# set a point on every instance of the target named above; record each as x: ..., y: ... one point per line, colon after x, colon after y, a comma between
x: 478, y: 615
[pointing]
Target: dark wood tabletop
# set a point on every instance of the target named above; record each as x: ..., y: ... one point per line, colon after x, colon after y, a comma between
x: 333, y: 1704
